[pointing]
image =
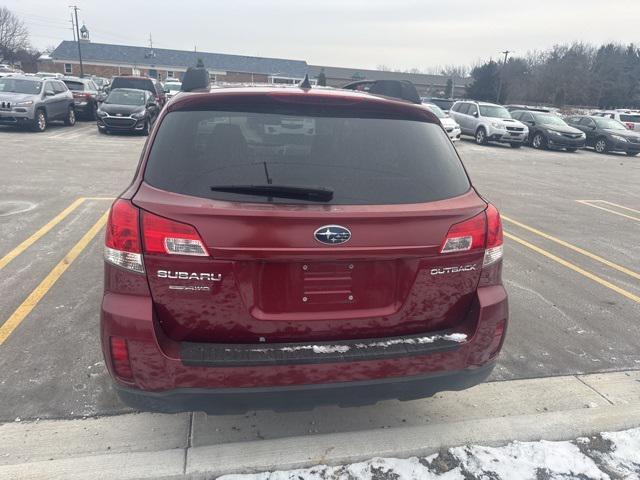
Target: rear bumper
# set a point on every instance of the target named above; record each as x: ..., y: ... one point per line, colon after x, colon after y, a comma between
x: 167, y: 378
x: 302, y: 397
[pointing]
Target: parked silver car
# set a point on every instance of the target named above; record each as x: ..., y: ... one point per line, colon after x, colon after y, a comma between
x: 34, y: 102
x: 449, y: 124
x: 488, y: 122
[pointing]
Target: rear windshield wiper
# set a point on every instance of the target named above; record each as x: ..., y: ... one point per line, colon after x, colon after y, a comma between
x: 314, y: 194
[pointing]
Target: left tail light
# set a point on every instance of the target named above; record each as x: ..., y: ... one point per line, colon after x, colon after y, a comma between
x: 122, y: 239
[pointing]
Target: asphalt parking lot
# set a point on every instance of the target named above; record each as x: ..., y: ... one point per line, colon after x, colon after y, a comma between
x: 572, y: 268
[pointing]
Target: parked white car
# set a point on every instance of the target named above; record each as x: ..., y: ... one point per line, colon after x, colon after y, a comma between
x: 488, y: 122
x: 449, y: 124
x: 630, y: 118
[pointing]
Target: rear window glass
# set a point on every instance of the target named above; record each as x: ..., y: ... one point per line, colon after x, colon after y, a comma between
x: 630, y: 118
x: 361, y: 160
x: 139, y: 83
x: 78, y: 86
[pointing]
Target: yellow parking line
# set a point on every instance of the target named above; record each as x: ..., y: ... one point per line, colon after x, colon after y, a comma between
x: 581, y: 251
x: 36, y: 236
x: 619, y: 206
x: 587, y: 202
x: 575, y: 268
x: 40, y: 291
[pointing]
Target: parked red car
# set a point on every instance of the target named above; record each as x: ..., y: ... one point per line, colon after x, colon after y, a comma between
x: 343, y: 257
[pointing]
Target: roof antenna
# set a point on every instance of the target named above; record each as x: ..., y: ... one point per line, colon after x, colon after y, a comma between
x: 305, y: 83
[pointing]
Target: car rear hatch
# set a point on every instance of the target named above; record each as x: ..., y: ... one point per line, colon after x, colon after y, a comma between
x: 289, y: 270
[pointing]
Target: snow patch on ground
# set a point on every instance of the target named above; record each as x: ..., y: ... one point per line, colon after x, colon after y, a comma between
x: 609, y: 456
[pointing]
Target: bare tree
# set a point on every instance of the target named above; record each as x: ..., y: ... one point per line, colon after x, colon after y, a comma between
x: 383, y: 68
x: 14, y: 35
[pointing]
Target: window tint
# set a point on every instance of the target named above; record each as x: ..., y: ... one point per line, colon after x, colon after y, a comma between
x: 463, y: 108
x: 59, y: 87
x: 139, y: 83
x: 74, y: 85
x: 587, y: 122
x: 362, y: 160
x: 635, y: 118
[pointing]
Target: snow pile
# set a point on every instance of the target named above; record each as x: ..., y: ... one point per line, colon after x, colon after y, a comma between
x: 609, y: 456
x: 528, y: 460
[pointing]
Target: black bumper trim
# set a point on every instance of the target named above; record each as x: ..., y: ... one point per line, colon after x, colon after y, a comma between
x: 302, y: 397
x: 265, y: 354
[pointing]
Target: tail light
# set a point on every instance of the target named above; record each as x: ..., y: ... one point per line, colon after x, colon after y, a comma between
x: 120, y: 358
x: 494, y: 249
x: 164, y: 236
x: 482, y: 232
x: 81, y: 95
x: 122, y: 240
x: 465, y: 236
x: 630, y: 125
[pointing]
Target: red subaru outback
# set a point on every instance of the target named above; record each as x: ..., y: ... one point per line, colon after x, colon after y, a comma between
x: 285, y: 247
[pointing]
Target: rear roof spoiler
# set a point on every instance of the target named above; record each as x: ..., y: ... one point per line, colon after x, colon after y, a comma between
x: 402, y: 89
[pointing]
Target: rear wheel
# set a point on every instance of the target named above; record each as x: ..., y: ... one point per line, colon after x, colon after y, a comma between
x: 572, y: 150
x: 632, y: 154
x: 538, y: 141
x: 601, y: 145
x: 40, y: 121
x: 92, y: 112
x: 70, y: 119
x: 481, y: 136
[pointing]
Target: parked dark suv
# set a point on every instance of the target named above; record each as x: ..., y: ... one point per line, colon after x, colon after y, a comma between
x: 86, y: 95
x: 347, y: 261
x: 141, y: 83
x: 606, y: 134
x: 547, y: 130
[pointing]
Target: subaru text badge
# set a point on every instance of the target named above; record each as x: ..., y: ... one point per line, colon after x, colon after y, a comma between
x: 332, y: 234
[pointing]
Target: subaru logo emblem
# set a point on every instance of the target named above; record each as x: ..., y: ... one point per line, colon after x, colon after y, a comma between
x: 332, y: 234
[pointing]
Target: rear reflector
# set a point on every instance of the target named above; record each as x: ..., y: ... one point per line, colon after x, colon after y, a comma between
x: 122, y: 239
x: 465, y: 236
x: 165, y: 236
x: 120, y: 358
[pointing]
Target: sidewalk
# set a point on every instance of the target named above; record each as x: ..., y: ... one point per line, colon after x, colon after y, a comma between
x: 155, y: 446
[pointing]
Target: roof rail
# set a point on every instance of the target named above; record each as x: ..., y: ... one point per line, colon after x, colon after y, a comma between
x: 402, y: 89
x: 195, y: 78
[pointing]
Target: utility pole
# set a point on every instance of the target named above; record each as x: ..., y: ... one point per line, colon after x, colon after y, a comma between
x: 73, y: 28
x: 506, y: 54
x: 75, y: 10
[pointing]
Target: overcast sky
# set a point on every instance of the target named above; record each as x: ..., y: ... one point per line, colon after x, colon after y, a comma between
x: 400, y: 34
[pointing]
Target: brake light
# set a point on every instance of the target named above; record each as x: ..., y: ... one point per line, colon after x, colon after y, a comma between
x: 165, y: 236
x: 122, y: 239
x: 494, y: 249
x: 466, y: 235
x: 630, y: 125
x: 120, y: 358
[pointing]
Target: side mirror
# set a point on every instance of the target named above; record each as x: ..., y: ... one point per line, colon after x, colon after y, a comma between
x: 166, y: 90
x: 49, y: 93
x: 152, y: 104
x: 475, y: 114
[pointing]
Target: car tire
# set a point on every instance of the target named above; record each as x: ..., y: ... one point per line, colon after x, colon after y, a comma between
x: 515, y: 145
x: 39, y: 121
x: 70, y: 119
x: 481, y: 136
x: 632, y: 154
x: 145, y: 130
x: 601, y: 145
x: 539, y: 142
x: 93, y: 114
x: 572, y: 150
